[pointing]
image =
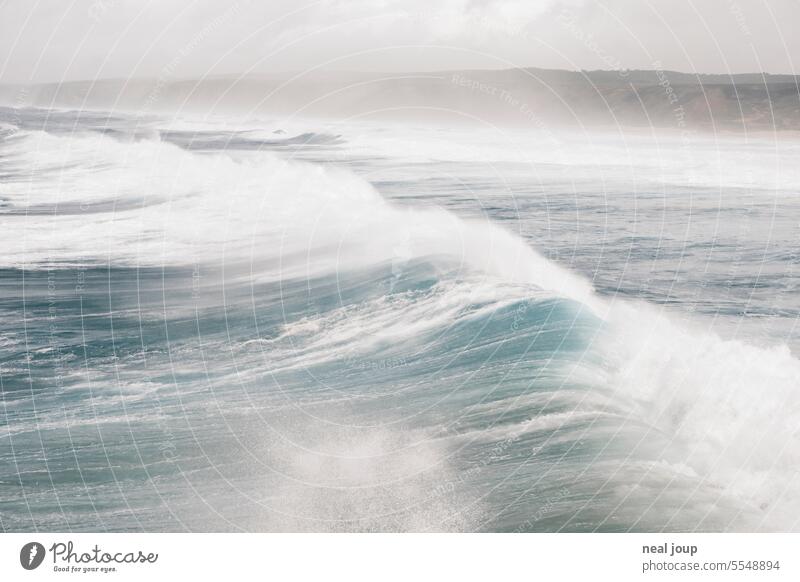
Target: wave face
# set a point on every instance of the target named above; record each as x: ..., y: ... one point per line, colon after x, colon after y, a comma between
x: 288, y: 327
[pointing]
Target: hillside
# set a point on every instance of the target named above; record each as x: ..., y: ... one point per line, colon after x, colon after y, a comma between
x: 518, y: 97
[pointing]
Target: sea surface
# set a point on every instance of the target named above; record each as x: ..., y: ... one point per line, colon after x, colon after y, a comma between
x: 298, y: 325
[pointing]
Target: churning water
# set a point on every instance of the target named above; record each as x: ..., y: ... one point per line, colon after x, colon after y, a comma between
x: 335, y: 327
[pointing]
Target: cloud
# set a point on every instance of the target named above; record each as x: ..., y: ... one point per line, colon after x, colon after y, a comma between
x: 46, y: 40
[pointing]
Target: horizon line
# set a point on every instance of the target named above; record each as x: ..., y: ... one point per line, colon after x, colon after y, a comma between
x: 282, y: 74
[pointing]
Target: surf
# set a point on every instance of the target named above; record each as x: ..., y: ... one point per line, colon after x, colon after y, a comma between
x: 348, y: 361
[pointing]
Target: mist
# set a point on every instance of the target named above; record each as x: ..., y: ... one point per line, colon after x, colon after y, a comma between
x: 51, y: 41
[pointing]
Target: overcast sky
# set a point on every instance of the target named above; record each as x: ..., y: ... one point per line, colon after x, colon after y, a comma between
x: 52, y: 40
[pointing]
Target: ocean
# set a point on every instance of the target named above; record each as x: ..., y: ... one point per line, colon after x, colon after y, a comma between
x: 212, y: 324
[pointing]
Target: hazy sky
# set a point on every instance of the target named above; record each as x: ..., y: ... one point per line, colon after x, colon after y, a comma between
x: 50, y: 40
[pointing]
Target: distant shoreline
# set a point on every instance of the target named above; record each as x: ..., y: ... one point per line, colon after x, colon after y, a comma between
x: 751, y: 103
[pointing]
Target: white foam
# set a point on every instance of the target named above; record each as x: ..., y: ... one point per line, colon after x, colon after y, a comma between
x: 733, y: 408
x: 182, y: 208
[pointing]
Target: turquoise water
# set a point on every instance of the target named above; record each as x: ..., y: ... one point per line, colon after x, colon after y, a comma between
x: 219, y: 326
